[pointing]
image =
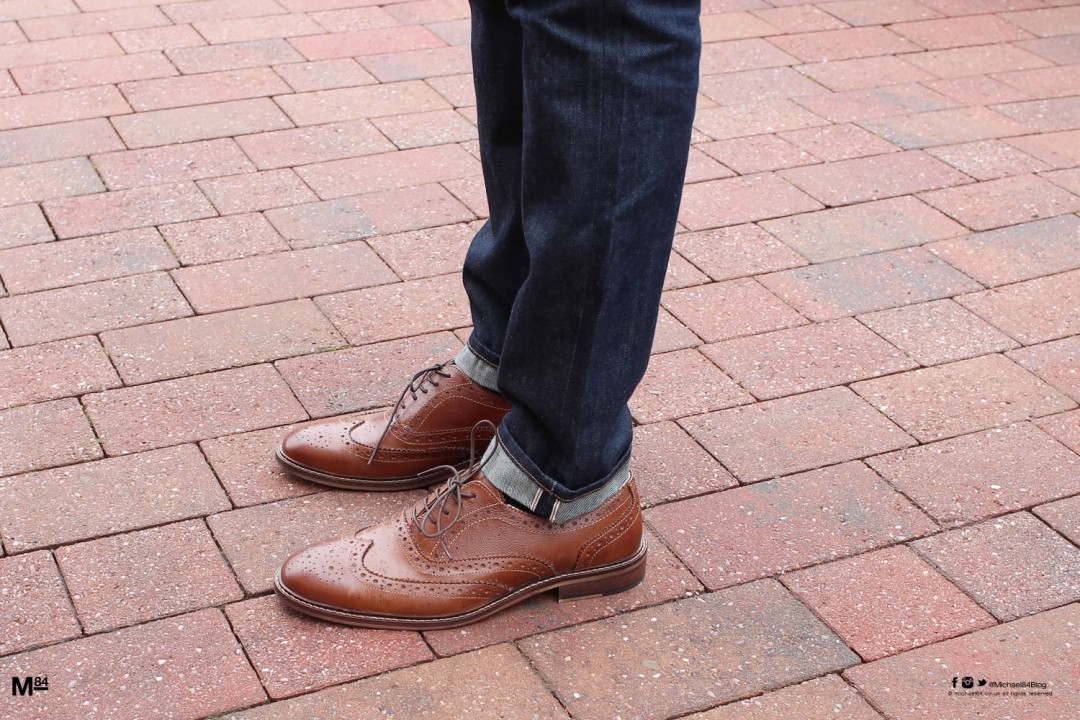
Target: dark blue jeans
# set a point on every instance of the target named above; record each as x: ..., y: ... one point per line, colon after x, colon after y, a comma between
x: 584, y: 111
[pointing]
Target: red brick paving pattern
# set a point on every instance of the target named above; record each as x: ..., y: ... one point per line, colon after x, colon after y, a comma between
x: 222, y: 218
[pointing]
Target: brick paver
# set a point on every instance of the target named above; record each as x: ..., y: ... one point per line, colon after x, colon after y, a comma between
x: 77, y: 502
x: 290, y: 651
x: 857, y: 441
x: 887, y: 601
x: 917, y: 684
x: 190, y: 664
x: 499, y: 678
x: 809, y: 357
x: 1013, y: 565
x: 34, y: 605
x: 847, y: 503
x: 814, y: 698
x: 972, y: 477
x: 826, y: 291
x: 1033, y: 311
x: 937, y: 331
x: 126, y: 579
x: 69, y: 438
x: 687, y: 655
x: 960, y: 397
x: 132, y: 419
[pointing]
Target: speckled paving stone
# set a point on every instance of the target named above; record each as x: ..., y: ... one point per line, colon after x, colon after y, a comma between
x: 135, y: 577
x: 77, y: 502
x: 683, y: 383
x: 797, y: 433
x: 1008, y: 201
x: 869, y: 282
x: 91, y: 308
x: 1064, y: 427
x: 300, y: 146
x: 862, y: 73
x: 961, y: 397
x: 873, y: 178
x: 228, y: 238
x: 296, y: 654
x: 857, y: 105
x: 1053, y: 115
x: 988, y: 159
x: 758, y: 153
x: 688, y: 655
x: 1042, y: 649
x: 45, y: 435
x: 670, y: 334
x: 666, y: 579
x: 366, y: 377
x: 193, y: 408
x: 191, y: 665
x: 54, y: 370
x: 1033, y: 311
x: 1057, y: 362
x: 126, y: 209
x: 1013, y: 565
x: 823, y: 697
x: 281, y: 276
x: 424, y: 253
x: 969, y: 478
x: 1063, y: 516
x: 737, y: 251
x: 754, y: 118
x: 1058, y: 150
x: 223, y: 340
x: 732, y: 201
x: 352, y: 103
x: 887, y: 601
x: 24, y: 225
x: 252, y: 192
x: 500, y: 681
x: 69, y: 262
x: 838, y: 142
x: 944, y: 127
x: 249, y: 472
x: 774, y: 527
x: 810, y: 357
x: 399, y: 309
x: 34, y: 607
x: 256, y: 540
x: 172, y: 163
x: 682, y: 273
x: 864, y: 228
x: 669, y: 465
x: 937, y: 332
x: 728, y: 309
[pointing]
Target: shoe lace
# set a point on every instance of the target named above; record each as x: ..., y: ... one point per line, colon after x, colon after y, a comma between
x: 417, y: 384
x: 447, y: 500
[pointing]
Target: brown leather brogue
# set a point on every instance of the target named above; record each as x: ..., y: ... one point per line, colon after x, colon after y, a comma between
x: 462, y: 555
x: 430, y: 427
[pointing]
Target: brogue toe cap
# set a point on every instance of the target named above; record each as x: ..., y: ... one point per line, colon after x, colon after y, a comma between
x: 322, y: 574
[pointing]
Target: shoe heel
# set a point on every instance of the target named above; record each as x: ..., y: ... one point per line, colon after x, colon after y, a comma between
x: 617, y: 581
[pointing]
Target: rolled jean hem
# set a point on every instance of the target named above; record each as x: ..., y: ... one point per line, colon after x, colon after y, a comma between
x: 504, y: 471
x: 477, y: 368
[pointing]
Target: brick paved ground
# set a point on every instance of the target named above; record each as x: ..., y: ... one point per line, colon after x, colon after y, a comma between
x: 858, y: 439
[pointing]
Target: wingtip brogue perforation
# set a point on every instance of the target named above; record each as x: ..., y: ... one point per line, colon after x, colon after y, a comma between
x: 404, y: 447
x: 464, y: 554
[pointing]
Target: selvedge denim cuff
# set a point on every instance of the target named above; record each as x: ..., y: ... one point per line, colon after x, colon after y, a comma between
x: 479, y: 370
x: 515, y: 482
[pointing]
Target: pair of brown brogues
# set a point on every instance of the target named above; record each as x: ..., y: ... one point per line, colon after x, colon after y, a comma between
x: 463, y: 553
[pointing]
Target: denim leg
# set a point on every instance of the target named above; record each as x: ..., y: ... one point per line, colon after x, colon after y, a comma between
x: 585, y: 110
